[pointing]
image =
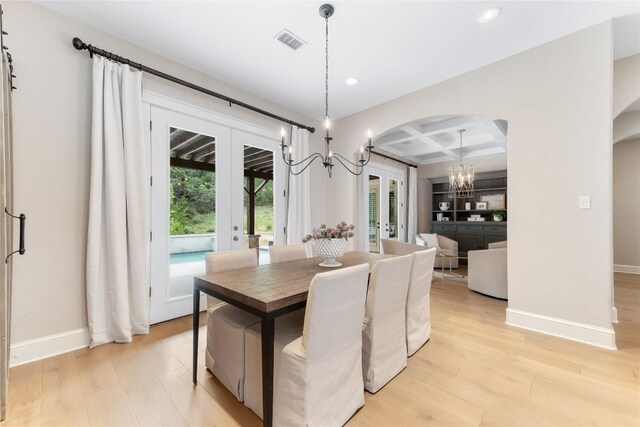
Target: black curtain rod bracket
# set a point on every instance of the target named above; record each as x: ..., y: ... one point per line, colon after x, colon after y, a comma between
x: 80, y: 45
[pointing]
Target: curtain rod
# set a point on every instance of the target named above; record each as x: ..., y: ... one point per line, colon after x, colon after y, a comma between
x: 388, y: 157
x: 80, y: 45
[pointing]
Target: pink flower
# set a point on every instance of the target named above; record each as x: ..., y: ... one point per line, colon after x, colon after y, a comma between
x: 351, y: 234
x: 351, y: 226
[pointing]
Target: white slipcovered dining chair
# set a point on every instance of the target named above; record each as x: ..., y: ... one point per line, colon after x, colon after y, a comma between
x: 318, y: 373
x: 287, y: 253
x: 384, y: 344
x: 288, y: 327
x: 226, y: 324
x: 418, y: 300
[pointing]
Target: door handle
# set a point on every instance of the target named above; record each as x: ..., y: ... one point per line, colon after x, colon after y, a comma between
x: 21, y: 250
x: 235, y: 238
x: 235, y: 228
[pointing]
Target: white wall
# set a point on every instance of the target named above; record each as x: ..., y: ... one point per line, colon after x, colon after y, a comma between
x: 51, y: 132
x: 495, y: 162
x: 557, y: 100
x: 626, y: 206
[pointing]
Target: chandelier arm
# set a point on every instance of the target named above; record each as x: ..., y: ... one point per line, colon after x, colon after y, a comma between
x: 358, y: 165
x: 347, y: 167
x: 312, y: 157
x: 306, y: 166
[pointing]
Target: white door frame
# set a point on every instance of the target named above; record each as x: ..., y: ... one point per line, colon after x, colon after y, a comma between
x: 385, y: 172
x: 254, y: 135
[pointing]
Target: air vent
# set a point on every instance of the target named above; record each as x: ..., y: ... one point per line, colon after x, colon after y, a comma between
x: 289, y: 39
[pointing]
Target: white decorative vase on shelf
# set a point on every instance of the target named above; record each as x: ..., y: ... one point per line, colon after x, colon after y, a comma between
x: 330, y: 249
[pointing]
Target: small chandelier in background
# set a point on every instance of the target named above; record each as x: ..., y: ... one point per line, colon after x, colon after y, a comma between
x: 327, y: 159
x: 461, y: 177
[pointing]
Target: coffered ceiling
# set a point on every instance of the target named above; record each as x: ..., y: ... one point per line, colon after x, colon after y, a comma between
x: 438, y: 140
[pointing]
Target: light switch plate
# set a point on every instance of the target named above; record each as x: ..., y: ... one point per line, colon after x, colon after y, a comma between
x: 585, y: 202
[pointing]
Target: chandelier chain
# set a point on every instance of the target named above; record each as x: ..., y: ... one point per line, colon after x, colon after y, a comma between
x: 460, y: 148
x: 326, y: 69
x: 364, y: 155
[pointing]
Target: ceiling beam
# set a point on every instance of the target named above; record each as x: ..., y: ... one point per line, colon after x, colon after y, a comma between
x: 194, y: 149
x: 205, y: 153
x: 485, y: 152
x: 498, y: 130
x: 392, y: 138
x: 258, y: 163
x: 187, y: 143
x: 180, y: 137
x: 411, y: 130
x: 448, y: 125
x: 433, y: 160
x: 257, y: 156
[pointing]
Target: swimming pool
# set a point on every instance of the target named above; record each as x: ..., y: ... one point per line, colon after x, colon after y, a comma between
x: 187, y: 257
x: 195, y: 257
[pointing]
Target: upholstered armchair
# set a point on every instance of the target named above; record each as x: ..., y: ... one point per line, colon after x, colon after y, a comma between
x: 488, y: 270
x: 396, y: 247
x: 445, y: 245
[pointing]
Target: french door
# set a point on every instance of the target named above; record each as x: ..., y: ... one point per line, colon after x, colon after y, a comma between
x: 199, y: 201
x: 385, y: 208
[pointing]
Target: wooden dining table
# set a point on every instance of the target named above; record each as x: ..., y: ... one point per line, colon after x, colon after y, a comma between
x: 267, y: 291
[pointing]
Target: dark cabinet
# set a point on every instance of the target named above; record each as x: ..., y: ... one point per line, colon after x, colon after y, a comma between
x: 470, y: 235
x: 492, y: 239
x: 468, y: 242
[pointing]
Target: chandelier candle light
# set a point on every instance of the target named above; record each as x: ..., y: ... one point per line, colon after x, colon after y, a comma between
x: 326, y: 11
x: 330, y: 242
x: 461, y: 177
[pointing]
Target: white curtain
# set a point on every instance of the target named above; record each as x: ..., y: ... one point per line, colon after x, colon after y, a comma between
x: 118, y: 232
x: 412, y: 211
x: 299, y: 209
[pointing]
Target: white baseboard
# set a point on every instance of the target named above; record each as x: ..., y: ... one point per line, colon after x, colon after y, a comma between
x: 581, y: 332
x: 52, y: 345
x: 631, y: 269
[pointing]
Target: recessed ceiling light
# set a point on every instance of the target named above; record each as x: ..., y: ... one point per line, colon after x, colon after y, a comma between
x: 489, y: 15
x: 351, y: 81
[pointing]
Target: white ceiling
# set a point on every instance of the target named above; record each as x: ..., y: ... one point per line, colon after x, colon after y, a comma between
x: 437, y: 140
x: 392, y: 47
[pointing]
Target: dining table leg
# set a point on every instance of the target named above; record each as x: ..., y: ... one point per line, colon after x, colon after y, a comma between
x: 196, y: 331
x: 267, y: 326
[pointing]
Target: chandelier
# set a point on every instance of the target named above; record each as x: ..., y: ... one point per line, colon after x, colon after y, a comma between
x: 327, y: 159
x: 461, y: 177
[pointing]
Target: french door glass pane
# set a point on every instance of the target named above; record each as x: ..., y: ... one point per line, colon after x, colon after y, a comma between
x: 192, y: 218
x: 258, y: 200
x: 374, y: 213
x: 393, y: 209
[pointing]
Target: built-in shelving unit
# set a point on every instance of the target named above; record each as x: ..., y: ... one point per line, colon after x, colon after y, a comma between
x: 470, y: 235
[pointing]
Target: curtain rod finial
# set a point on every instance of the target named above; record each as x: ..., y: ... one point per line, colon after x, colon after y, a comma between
x: 78, y: 44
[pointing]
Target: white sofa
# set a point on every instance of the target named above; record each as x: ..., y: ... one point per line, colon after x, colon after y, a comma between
x: 446, y: 244
x: 488, y: 270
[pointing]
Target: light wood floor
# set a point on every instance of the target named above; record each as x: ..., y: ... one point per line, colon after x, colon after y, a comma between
x: 475, y: 370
